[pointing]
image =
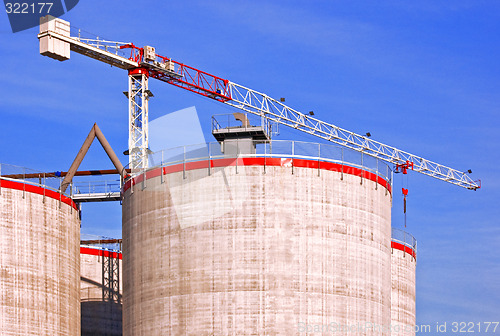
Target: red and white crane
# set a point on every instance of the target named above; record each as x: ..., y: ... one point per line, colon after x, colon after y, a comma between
x: 144, y: 63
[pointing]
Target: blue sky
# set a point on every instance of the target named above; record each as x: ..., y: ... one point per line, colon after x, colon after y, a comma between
x: 422, y: 76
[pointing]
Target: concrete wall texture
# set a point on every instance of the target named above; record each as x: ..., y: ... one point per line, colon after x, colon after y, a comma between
x: 253, y: 249
x: 98, y: 317
x: 403, y: 309
x: 39, y: 262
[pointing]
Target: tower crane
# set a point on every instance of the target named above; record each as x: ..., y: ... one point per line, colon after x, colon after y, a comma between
x: 143, y: 63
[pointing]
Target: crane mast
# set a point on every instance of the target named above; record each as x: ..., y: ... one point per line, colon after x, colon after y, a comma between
x: 144, y: 63
x: 138, y: 107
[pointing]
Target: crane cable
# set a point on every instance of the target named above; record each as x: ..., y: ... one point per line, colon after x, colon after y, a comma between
x: 405, y: 193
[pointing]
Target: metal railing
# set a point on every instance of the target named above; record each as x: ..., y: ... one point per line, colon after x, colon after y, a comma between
x: 96, y: 187
x: 228, y: 121
x: 91, y: 294
x: 52, y: 181
x: 31, y: 176
x: 98, y: 42
x: 403, y: 237
x: 99, y: 242
x: 270, y: 149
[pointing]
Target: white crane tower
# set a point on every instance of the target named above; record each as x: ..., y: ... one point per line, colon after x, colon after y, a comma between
x: 144, y: 63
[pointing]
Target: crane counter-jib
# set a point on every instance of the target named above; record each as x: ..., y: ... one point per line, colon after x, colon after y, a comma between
x: 55, y: 42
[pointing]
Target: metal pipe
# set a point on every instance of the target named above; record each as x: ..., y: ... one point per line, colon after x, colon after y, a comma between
x: 107, y: 148
x: 78, y: 159
x: 94, y: 132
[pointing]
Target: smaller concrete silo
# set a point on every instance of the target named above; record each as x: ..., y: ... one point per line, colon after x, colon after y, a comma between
x: 403, y: 265
x: 100, y: 286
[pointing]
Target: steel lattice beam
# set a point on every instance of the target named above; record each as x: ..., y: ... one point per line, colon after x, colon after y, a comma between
x: 111, y: 277
x: 240, y: 97
x: 138, y: 120
x: 260, y: 104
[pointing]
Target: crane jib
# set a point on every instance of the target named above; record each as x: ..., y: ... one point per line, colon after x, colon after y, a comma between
x: 56, y: 43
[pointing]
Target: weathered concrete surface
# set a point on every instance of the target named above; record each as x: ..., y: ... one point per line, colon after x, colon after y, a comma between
x: 254, y: 251
x: 98, y: 317
x: 39, y: 265
x: 403, y: 317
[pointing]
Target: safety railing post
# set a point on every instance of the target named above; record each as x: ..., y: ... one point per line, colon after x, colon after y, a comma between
x: 121, y: 187
x: 362, y: 169
x: 237, y: 153
x: 161, y: 167
x: 209, y: 159
x: 387, y: 177
x: 44, y: 183
x: 184, y: 163
x: 24, y: 183
x: 319, y: 158
x: 341, y: 164
x: 60, y: 192
x: 391, y: 173
x: 265, y: 154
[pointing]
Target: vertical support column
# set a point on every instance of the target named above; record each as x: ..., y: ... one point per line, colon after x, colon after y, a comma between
x: 104, y: 279
x: 138, y: 97
x: 110, y: 276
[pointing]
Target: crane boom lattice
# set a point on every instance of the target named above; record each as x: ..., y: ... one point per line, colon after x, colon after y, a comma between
x: 143, y: 63
x: 138, y: 96
x: 260, y: 104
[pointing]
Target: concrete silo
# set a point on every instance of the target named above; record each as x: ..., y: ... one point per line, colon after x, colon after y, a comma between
x: 257, y: 243
x: 100, y: 287
x: 39, y: 259
x: 256, y: 237
x: 403, y: 266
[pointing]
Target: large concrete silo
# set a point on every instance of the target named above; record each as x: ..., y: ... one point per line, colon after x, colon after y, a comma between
x: 257, y: 243
x: 39, y: 260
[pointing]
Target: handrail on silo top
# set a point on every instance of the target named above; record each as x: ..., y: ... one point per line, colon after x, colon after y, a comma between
x: 403, y: 237
x: 30, y: 176
x: 269, y: 149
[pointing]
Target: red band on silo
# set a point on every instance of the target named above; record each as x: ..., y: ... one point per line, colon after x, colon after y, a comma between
x: 404, y: 248
x: 37, y: 190
x: 260, y: 161
x: 99, y: 252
